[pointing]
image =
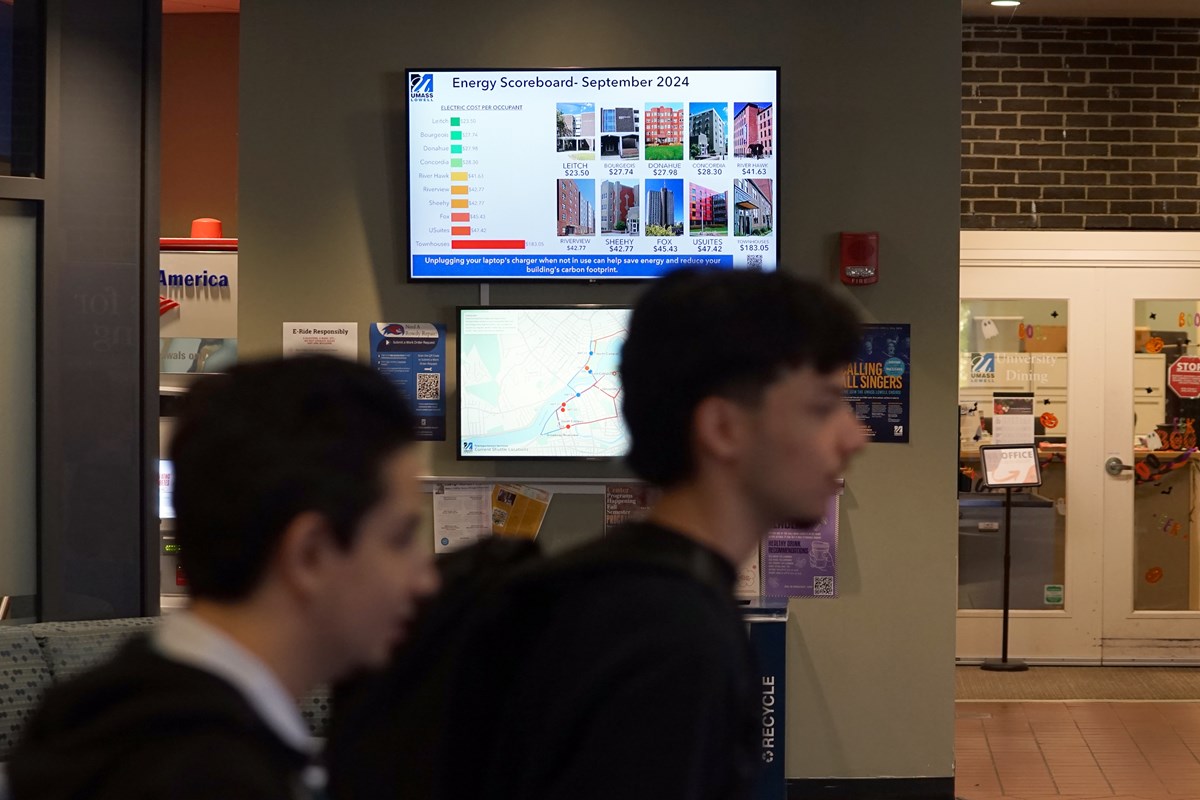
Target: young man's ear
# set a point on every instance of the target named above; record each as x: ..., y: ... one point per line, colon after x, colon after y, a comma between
x: 304, y: 549
x: 719, y: 428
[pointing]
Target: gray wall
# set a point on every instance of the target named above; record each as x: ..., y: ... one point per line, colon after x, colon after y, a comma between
x: 869, y: 137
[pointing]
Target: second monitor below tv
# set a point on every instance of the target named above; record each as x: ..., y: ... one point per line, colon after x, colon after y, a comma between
x: 540, y: 382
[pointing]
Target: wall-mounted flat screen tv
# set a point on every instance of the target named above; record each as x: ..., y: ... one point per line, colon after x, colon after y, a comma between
x: 591, y: 174
x: 540, y: 382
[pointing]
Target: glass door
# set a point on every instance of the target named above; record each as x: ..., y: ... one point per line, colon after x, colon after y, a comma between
x: 1152, y: 406
x: 1028, y: 338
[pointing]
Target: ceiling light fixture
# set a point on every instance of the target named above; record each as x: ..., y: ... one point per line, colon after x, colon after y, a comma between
x: 1006, y: 2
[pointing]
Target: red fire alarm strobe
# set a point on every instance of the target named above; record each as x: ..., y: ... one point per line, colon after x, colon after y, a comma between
x: 859, y: 258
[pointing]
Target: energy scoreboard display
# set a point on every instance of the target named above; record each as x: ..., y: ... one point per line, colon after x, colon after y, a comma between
x: 591, y: 174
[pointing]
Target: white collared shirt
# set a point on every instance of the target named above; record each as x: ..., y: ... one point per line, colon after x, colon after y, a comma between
x: 185, y: 638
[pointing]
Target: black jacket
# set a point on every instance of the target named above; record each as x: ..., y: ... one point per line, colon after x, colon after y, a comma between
x: 142, y: 726
x: 636, y: 683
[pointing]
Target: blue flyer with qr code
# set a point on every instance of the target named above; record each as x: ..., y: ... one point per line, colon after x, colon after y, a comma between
x: 412, y: 355
x: 800, y: 560
x: 878, y: 382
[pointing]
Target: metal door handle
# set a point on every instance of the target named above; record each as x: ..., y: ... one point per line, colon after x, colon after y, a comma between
x: 1114, y: 466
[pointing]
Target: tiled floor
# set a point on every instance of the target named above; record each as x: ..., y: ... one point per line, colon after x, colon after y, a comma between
x: 1077, y: 749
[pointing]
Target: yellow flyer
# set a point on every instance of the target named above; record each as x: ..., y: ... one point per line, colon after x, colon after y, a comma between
x: 518, y: 510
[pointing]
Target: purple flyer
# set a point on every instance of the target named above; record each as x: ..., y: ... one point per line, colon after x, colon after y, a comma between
x: 802, y: 562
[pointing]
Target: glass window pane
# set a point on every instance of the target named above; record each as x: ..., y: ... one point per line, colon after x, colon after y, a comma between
x: 18, y: 412
x: 1166, y: 405
x: 22, y: 70
x: 1012, y: 389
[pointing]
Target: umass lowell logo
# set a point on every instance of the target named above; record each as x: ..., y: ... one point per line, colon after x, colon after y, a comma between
x: 983, y: 368
x: 420, y: 86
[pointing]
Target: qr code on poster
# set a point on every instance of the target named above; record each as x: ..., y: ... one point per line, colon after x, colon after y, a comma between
x: 429, y: 386
x: 754, y: 262
x: 822, y: 586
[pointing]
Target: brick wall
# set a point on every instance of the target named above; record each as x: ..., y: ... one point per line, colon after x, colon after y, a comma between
x: 1081, y: 123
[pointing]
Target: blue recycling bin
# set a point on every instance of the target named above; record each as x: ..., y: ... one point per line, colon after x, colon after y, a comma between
x: 766, y: 623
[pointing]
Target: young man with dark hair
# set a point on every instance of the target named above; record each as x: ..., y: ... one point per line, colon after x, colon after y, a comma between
x: 634, y: 680
x: 297, y: 506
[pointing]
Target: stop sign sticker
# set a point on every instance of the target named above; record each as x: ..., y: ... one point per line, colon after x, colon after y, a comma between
x: 1184, y: 377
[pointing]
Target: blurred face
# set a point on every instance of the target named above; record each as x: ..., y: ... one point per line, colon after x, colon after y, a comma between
x: 375, y: 585
x: 802, y: 437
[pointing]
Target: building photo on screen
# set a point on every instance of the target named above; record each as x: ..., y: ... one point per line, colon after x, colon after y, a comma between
x: 641, y: 171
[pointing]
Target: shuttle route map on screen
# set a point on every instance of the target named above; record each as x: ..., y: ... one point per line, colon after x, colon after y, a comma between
x: 541, y: 383
x: 591, y: 174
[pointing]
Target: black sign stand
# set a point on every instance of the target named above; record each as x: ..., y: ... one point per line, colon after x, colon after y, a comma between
x: 1004, y: 664
x: 995, y: 453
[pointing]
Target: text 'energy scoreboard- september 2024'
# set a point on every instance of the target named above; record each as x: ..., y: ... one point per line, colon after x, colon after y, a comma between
x: 591, y: 174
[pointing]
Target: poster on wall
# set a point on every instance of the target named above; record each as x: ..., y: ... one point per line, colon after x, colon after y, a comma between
x: 749, y: 576
x: 800, y: 560
x: 627, y: 502
x: 877, y: 382
x: 321, y: 338
x: 412, y: 355
x: 197, y: 311
x: 518, y: 510
x: 461, y: 515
